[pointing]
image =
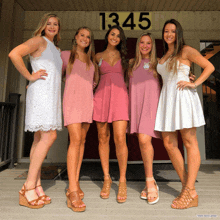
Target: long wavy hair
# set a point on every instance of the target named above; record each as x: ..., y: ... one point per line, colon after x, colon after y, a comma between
x: 42, y: 25
x: 90, y: 52
x: 138, y: 57
x: 178, y: 45
x: 121, y: 47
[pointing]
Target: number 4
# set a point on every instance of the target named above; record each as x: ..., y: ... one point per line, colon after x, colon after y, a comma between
x: 131, y: 25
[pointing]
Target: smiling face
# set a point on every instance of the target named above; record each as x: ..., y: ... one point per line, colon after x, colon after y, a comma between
x: 114, y: 37
x: 145, y: 46
x: 83, y: 38
x: 169, y: 34
x: 52, y: 27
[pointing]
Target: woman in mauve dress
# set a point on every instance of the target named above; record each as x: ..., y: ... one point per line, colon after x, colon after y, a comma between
x: 144, y: 92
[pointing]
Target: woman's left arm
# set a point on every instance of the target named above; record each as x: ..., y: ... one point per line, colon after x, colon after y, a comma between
x: 194, y: 56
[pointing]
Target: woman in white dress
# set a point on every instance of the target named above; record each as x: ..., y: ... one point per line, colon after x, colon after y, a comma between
x: 43, y: 101
x: 179, y: 108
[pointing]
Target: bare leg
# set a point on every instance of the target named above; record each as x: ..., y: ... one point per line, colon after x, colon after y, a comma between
x: 147, y: 153
x: 104, y: 136
x: 170, y: 140
x: 119, y: 130
x: 73, y: 154
x: 193, y: 156
x: 41, y: 145
x: 85, y: 128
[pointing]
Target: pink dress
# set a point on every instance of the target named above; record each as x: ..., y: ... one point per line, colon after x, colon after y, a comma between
x: 111, y: 96
x: 78, y: 92
x: 144, y: 92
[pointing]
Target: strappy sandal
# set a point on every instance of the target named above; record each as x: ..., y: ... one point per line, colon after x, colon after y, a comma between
x: 105, y: 192
x: 33, y: 204
x: 81, y: 193
x: 44, y: 197
x: 185, y: 200
x: 179, y: 194
x: 122, y: 192
x: 144, y: 193
x: 74, y: 202
x: 152, y: 192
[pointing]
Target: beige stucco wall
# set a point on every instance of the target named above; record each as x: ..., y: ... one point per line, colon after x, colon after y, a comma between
x: 197, y: 26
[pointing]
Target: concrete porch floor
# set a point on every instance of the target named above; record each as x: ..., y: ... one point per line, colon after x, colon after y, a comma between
x: 208, y: 189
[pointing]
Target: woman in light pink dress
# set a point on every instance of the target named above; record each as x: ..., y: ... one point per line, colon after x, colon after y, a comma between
x: 111, y: 106
x: 144, y: 92
x: 79, y: 68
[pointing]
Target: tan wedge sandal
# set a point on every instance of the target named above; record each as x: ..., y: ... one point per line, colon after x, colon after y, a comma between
x: 74, y: 202
x: 105, y: 192
x: 122, y: 192
x: 33, y: 204
x: 43, y: 197
x: 185, y: 200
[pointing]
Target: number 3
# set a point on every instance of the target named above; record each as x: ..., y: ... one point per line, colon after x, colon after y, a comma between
x: 115, y: 20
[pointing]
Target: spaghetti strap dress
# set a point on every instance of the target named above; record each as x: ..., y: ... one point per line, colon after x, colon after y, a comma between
x: 177, y: 109
x: 43, y: 99
x: 111, y: 96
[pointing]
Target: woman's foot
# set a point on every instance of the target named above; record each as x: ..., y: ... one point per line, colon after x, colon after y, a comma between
x: 105, y: 192
x: 152, y: 191
x: 40, y: 192
x: 187, y: 198
x: 144, y: 193
x: 122, y: 192
x: 29, y: 198
x: 81, y: 193
x: 74, y: 202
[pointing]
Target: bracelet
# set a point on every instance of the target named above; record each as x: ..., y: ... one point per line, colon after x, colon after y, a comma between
x: 195, y: 85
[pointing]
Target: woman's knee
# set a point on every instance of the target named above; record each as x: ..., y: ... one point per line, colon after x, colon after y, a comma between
x: 120, y: 140
x: 103, y: 138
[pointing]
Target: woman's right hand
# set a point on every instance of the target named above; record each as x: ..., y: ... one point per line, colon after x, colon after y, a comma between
x: 38, y: 75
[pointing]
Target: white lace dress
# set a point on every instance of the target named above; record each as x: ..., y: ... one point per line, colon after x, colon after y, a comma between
x: 177, y: 109
x: 43, y: 99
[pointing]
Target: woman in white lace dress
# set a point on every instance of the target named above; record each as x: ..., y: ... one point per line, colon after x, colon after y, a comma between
x: 43, y: 101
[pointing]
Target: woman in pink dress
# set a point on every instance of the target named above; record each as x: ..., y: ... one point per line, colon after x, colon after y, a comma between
x: 144, y: 92
x: 111, y: 106
x: 79, y: 68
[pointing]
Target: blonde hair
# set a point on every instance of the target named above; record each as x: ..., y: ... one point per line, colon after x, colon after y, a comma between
x: 90, y: 51
x: 137, y: 59
x: 42, y: 25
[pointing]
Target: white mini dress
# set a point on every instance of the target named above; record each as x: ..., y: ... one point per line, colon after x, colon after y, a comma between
x: 177, y: 109
x: 43, y: 99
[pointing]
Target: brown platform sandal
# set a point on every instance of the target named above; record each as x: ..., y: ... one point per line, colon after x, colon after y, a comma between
x: 44, y: 197
x: 122, y: 192
x: 180, y: 194
x: 185, y: 200
x: 74, y: 202
x: 30, y: 204
x: 106, y: 188
x: 152, y: 192
x: 81, y: 193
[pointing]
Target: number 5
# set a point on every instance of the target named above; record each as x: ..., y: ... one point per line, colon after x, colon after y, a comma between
x: 142, y: 18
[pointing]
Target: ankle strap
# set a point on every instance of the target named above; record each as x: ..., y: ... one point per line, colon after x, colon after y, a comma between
x: 150, y: 178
